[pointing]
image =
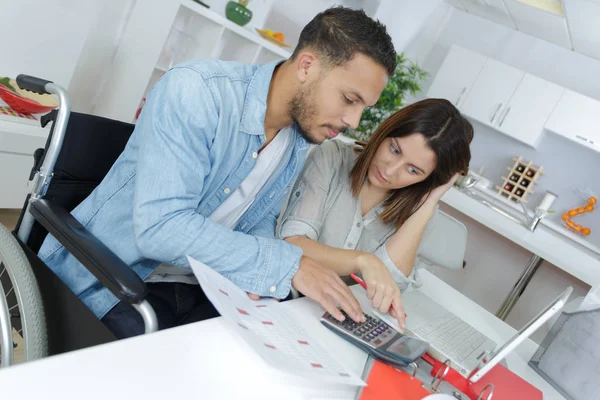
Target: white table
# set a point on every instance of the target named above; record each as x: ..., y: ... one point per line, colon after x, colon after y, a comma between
x: 208, y: 360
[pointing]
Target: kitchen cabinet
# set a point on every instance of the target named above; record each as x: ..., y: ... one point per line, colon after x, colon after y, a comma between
x: 492, y: 91
x: 457, y: 75
x: 528, y: 109
x: 577, y: 117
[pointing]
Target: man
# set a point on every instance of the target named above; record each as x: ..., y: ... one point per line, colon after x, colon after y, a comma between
x: 209, y: 165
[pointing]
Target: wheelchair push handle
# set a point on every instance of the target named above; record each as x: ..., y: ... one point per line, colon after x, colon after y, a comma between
x: 43, y: 174
x: 33, y: 84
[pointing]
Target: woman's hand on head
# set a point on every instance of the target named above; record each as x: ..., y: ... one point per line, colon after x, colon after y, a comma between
x: 382, y: 290
x: 437, y: 193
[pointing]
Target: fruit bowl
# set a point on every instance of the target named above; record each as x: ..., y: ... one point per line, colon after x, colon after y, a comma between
x: 26, y: 105
x: 271, y: 39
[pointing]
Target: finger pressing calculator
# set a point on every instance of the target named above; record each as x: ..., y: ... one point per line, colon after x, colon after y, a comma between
x: 377, y: 338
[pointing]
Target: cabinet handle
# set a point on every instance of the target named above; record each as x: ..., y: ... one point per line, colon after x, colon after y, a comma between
x: 464, y: 89
x: 495, y: 112
x: 588, y: 140
x: 505, y: 114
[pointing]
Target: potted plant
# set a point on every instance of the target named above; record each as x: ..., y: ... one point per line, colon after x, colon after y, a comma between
x: 406, y: 79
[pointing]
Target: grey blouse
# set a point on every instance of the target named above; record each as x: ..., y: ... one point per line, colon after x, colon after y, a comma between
x: 321, y: 206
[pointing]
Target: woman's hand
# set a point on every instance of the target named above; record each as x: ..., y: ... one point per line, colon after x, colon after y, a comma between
x: 437, y: 193
x: 382, y: 290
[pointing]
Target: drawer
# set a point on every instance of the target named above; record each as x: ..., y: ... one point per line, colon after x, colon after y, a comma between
x: 20, y: 143
x: 14, y: 175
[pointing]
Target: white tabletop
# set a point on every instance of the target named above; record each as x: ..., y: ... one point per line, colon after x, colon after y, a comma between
x: 209, y: 360
x: 557, y: 249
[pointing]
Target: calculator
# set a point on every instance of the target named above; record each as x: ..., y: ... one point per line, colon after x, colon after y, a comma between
x: 377, y: 338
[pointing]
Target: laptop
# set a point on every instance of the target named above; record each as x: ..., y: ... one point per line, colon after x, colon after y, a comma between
x: 471, y: 353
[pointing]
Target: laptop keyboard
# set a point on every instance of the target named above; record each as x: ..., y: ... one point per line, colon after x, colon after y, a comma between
x: 451, y: 336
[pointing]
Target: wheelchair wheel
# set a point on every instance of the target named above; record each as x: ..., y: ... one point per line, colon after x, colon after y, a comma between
x: 21, y: 305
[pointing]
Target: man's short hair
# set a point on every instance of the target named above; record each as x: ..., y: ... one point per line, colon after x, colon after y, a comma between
x: 339, y: 32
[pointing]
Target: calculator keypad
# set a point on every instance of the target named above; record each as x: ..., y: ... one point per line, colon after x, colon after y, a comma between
x: 373, y: 331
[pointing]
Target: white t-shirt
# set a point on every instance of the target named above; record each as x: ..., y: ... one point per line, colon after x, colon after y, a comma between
x: 233, y: 208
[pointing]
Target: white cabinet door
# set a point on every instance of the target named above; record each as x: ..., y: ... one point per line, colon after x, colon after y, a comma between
x: 577, y: 117
x: 491, y: 92
x: 528, y: 109
x: 18, y: 141
x: 456, y: 76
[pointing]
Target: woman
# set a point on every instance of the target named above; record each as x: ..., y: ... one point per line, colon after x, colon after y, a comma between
x: 365, y: 209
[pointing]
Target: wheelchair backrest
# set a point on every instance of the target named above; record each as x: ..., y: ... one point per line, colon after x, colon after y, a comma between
x: 91, y: 146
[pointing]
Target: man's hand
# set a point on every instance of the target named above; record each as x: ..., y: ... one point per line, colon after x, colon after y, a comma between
x: 326, y: 288
x: 382, y: 290
x: 256, y: 297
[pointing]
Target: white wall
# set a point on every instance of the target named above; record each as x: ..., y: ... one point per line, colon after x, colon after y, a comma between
x: 95, y: 63
x: 493, y: 262
x: 408, y: 21
x: 43, y: 38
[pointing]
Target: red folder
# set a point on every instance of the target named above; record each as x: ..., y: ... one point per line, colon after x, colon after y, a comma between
x: 385, y: 382
x: 507, y: 385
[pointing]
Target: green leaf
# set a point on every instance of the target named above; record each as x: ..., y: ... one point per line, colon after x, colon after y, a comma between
x: 6, y: 82
x: 406, y: 79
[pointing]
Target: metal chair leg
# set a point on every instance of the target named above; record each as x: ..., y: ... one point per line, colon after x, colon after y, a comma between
x: 519, y: 287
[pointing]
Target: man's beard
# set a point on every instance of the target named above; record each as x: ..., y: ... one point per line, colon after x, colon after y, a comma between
x: 302, y: 110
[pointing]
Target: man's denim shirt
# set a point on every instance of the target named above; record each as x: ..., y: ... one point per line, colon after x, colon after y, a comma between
x: 191, y: 148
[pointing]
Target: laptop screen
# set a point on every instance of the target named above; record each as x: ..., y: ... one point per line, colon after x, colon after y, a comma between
x: 523, y: 334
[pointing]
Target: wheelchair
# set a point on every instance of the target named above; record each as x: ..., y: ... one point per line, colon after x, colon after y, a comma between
x: 79, y: 152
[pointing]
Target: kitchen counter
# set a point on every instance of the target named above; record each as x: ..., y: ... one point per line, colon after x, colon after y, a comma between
x: 572, y: 257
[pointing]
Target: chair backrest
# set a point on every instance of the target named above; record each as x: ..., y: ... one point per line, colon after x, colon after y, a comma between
x: 446, y: 243
x: 91, y: 146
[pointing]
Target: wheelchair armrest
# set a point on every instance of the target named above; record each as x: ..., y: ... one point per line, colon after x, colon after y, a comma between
x: 109, y: 269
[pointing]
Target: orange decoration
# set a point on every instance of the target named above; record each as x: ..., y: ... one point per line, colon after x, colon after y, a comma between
x: 578, y: 211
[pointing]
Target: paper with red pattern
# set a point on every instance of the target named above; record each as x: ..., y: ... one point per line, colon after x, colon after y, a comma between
x: 271, y: 331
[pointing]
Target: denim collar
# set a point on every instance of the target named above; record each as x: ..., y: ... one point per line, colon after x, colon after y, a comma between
x: 255, y: 105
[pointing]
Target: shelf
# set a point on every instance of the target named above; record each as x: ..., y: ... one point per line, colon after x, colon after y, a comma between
x: 164, y: 34
x: 241, y: 31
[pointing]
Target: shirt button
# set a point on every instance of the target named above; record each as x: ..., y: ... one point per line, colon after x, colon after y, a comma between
x: 272, y: 289
x: 297, y: 194
x: 350, y: 245
x: 254, y: 155
x: 226, y: 190
x: 358, y: 224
